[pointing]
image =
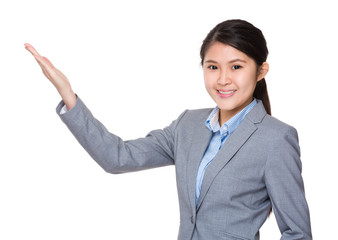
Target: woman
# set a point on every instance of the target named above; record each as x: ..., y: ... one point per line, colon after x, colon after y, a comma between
x: 234, y: 163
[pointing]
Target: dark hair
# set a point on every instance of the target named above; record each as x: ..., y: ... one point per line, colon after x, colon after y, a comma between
x: 248, y: 39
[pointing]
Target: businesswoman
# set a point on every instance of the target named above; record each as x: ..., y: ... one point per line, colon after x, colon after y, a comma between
x: 234, y: 163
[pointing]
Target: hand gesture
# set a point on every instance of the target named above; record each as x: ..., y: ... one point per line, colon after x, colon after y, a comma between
x: 55, y: 76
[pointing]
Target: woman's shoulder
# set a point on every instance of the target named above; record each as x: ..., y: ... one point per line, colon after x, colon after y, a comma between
x: 276, y: 123
x: 200, y: 114
x: 193, y: 117
x: 199, y: 111
x: 277, y: 129
x: 266, y: 122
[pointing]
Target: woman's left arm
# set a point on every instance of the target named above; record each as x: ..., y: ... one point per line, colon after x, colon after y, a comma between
x: 286, y: 188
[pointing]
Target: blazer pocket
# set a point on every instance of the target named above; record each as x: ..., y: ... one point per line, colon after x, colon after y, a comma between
x: 229, y: 236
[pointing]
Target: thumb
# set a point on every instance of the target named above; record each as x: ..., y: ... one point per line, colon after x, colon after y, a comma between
x: 49, y: 62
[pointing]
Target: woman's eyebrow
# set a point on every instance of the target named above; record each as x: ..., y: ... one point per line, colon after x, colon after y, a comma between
x: 231, y: 61
x: 210, y: 61
x: 237, y: 60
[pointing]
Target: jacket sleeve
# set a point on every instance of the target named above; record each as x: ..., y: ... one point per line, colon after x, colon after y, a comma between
x: 285, y: 187
x: 112, y: 153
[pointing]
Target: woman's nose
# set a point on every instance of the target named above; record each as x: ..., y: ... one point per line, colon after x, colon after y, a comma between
x: 224, y: 79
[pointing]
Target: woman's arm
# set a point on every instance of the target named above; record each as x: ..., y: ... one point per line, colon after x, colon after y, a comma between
x: 286, y: 188
x: 112, y: 153
x: 56, y: 77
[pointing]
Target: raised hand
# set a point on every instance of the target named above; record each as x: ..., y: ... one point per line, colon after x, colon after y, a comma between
x: 55, y: 76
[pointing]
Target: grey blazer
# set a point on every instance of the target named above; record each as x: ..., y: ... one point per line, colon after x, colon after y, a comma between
x: 257, y: 168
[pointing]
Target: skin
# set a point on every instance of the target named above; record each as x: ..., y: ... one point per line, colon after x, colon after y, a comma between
x: 56, y: 77
x: 230, y: 78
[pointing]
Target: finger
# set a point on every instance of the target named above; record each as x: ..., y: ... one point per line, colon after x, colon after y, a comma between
x: 31, y: 49
x: 44, y: 71
x: 45, y: 66
x: 49, y: 62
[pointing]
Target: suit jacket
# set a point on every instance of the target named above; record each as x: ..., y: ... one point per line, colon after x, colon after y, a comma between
x: 257, y: 168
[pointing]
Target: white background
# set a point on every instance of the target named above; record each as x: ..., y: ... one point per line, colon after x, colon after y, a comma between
x: 136, y: 66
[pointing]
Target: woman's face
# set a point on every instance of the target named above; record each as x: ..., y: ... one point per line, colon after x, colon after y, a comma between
x: 230, y: 78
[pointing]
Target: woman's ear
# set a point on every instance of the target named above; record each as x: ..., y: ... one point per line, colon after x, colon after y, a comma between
x: 262, y: 71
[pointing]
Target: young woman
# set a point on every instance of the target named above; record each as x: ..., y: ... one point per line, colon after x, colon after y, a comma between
x: 234, y: 163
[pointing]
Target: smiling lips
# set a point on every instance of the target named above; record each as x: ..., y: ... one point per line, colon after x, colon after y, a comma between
x: 226, y: 93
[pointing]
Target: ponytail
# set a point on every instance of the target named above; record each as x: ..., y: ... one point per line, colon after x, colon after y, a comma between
x: 261, y: 93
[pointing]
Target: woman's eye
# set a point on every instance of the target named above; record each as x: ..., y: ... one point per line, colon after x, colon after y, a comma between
x: 212, y: 67
x: 235, y: 67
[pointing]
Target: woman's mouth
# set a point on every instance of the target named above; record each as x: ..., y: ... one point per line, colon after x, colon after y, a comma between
x: 226, y: 93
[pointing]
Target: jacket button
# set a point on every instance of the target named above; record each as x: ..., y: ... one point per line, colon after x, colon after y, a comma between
x: 192, y: 219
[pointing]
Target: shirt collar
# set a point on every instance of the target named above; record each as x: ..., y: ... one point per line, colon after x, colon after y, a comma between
x: 213, y: 120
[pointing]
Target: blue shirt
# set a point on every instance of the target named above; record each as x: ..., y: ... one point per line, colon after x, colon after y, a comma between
x: 220, y: 135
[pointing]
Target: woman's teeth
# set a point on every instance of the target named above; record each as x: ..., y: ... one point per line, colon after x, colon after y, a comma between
x: 228, y: 92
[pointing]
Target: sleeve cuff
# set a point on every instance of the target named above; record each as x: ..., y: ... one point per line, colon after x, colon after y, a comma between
x: 63, y: 110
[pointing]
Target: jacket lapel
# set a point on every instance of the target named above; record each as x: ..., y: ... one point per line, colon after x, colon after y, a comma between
x: 230, y: 148
x: 201, y: 139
